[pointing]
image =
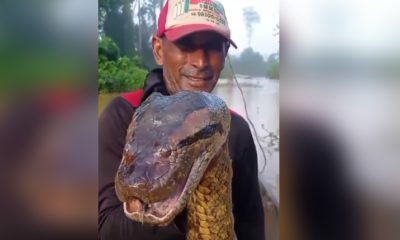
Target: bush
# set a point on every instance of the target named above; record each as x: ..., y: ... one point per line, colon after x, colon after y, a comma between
x: 273, y: 66
x: 108, y: 49
x: 125, y: 74
x: 118, y: 74
x: 273, y: 71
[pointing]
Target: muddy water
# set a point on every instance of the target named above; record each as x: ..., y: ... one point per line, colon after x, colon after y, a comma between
x: 262, y: 102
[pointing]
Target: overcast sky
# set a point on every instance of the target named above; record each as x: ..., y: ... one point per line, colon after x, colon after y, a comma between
x: 355, y: 27
x: 263, y: 39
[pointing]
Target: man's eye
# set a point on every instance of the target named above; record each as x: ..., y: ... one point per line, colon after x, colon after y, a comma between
x: 217, y: 46
x: 186, y: 48
x: 185, y: 45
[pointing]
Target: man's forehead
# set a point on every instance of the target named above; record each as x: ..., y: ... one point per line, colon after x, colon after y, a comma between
x: 202, y: 37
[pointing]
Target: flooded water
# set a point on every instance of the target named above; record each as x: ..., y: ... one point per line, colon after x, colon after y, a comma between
x: 262, y: 101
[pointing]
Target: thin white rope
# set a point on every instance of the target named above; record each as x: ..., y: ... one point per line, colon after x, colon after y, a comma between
x: 247, y: 114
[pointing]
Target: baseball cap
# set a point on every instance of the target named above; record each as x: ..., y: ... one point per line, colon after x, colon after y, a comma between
x: 178, y: 18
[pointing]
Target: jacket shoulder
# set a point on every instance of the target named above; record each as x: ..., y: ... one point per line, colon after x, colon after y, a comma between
x: 239, y: 123
x: 117, y: 110
x: 240, y: 136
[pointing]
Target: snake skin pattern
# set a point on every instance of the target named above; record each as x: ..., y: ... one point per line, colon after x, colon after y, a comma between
x: 176, y: 156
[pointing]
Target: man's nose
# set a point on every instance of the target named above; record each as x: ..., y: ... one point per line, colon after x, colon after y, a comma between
x: 199, y: 58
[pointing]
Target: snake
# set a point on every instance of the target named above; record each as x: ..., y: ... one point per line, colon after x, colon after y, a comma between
x: 175, y: 157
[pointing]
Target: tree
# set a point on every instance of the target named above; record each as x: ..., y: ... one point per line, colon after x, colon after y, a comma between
x: 248, y: 63
x: 250, y: 17
x: 117, y: 21
x: 272, y: 66
x: 109, y: 49
x: 116, y: 73
x: 118, y: 25
x: 148, y: 13
x: 273, y: 59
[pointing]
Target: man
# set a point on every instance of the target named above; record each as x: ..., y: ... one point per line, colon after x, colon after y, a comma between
x: 191, y: 44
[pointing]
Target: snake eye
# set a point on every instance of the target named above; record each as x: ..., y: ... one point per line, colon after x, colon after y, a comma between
x: 165, y: 152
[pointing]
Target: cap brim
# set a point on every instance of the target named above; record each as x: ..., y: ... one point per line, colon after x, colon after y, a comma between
x: 180, y: 32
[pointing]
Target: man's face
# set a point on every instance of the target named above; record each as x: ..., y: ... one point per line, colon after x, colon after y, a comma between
x: 192, y: 63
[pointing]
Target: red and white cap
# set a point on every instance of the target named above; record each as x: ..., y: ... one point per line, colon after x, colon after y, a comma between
x: 178, y: 18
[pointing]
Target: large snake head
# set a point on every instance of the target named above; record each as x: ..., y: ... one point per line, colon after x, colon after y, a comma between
x: 169, y: 145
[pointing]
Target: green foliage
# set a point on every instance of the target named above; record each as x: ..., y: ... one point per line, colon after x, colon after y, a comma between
x: 130, y: 26
x: 108, y: 49
x: 122, y: 75
x: 118, y: 74
x: 273, y: 66
x: 116, y: 22
x: 273, y: 70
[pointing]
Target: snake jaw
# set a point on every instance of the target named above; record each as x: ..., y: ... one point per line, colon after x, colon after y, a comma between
x: 185, y: 136
x: 156, y: 213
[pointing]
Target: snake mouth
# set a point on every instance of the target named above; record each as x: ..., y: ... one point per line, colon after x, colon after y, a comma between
x: 163, y: 212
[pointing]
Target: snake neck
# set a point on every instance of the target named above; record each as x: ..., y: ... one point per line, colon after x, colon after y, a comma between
x: 210, y: 206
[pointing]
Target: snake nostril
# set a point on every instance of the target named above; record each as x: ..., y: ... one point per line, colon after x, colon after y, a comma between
x: 146, y: 207
x: 165, y: 152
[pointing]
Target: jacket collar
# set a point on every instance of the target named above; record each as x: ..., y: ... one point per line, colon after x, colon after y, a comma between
x: 154, y: 83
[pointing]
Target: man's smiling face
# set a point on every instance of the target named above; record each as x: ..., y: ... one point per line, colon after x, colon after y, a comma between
x: 192, y: 63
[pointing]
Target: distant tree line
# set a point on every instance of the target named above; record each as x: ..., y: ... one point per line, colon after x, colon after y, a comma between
x: 252, y: 63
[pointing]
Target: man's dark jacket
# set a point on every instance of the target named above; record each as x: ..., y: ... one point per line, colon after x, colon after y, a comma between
x: 114, y: 225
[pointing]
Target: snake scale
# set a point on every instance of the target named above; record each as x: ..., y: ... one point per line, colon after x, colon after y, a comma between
x: 176, y: 156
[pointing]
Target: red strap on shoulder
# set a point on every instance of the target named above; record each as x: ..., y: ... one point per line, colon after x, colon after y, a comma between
x: 134, y: 98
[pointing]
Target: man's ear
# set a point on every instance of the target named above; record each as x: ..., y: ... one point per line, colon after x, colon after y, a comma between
x: 157, y: 44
